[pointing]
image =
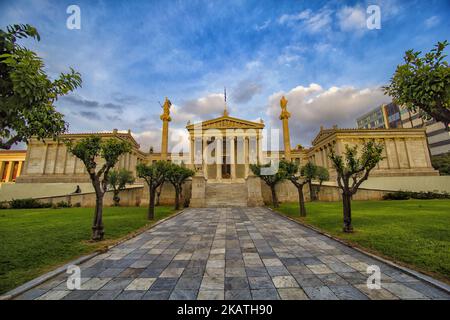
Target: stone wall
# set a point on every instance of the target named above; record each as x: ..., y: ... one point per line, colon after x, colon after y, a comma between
x: 132, y: 196
x: 287, y: 192
x: 168, y: 194
x: 128, y: 198
x: 51, y: 162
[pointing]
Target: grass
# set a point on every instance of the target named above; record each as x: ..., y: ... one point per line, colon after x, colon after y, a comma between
x: 34, y: 241
x: 415, y: 233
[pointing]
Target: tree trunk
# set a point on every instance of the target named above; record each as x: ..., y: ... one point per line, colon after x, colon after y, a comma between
x: 177, y: 198
x: 151, y: 204
x: 346, y: 201
x: 274, y: 197
x: 158, y: 194
x: 97, y: 226
x: 116, y: 198
x: 301, y: 201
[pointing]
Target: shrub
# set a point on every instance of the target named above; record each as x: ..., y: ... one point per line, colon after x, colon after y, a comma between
x: 442, y: 163
x: 28, y: 204
x: 63, y: 204
x: 398, y: 195
x: 405, y: 195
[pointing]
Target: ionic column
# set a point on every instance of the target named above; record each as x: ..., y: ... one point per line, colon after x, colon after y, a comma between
x: 19, y: 169
x: 232, y: 158
x: 259, y: 149
x: 192, y: 153
x: 9, y: 171
x: 205, y: 159
x: 2, y: 167
x: 246, y: 155
x: 219, y: 145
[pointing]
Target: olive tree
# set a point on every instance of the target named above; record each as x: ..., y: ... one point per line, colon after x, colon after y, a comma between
x: 154, y: 175
x: 117, y: 181
x: 27, y: 95
x: 352, y: 171
x: 423, y: 84
x: 309, y: 172
x: 177, y: 175
x: 91, y: 151
x: 294, y: 175
x: 270, y: 179
x: 322, y: 175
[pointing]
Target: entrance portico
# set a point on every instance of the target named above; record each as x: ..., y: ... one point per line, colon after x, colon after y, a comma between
x: 222, y: 149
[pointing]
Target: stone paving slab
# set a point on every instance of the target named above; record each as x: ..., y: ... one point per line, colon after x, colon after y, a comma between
x: 233, y: 253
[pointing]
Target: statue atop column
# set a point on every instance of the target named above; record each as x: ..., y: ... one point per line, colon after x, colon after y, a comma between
x: 165, y: 117
x: 166, y: 110
x: 284, y: 116
x: 284, y: 113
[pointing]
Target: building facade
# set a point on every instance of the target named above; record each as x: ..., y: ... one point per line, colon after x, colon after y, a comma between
x: 437, y: 135
x: 385, y: 116
x: 389, y: 116
x: 405, y: 151
x: 50, y: 161
x: 221, y: 152
x: 11, y: 165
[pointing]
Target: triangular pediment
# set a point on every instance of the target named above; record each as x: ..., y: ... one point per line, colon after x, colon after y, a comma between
x: 227, y: 122
x: 322, y: 135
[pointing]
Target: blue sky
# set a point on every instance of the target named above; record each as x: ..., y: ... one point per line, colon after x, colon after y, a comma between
x: 132, y: 54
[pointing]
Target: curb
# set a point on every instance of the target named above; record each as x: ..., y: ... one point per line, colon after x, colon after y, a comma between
x: 49, y: 275
x: 418, y: 275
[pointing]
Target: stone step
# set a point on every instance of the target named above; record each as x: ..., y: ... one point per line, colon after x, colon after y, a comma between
x: 226, y: 194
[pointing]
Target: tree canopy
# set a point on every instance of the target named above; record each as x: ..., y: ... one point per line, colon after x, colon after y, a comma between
x: 352, y: 170
x: 27, y: 95
x: 117, y: 180
x: 422, y: 84
x: 177, y: 175
x: 91, y: 151
x: 270, y: 179
x: 154, y: 175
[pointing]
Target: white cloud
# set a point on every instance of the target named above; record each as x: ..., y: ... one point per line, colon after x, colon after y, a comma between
x: 262, y: 26
x: 352, y: 18
x: 211, y: 105
x: 285, y: 18
x: 432, y: 22
x: 311, y: 22
x: 313, y: 106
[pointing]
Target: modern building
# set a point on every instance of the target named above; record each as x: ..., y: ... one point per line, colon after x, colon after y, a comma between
x: 11, y: 164
x: 437, y: 135
x: 385, y: 116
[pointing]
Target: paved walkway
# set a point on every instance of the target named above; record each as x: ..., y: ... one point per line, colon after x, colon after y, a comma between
x: 233, y: 253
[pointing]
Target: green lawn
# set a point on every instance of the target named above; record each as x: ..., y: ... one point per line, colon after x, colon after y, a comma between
x: 33, y: 241
x: 415, y: 233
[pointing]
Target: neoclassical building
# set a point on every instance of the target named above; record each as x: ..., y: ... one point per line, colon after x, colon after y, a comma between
x: 221, y: 151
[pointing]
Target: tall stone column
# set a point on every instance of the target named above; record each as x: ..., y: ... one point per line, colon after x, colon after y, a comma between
x: 192, y: 153
x: 19, y: 169
x: 2, y: 167
x: 232, y: 158
x: 219, y: 145
x: 284, y: 117
x: 205, y: 157
x: 246, y: 156
x: 259, y: 147
x: 9, y: 171
x: 165, y: 117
